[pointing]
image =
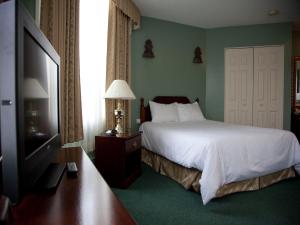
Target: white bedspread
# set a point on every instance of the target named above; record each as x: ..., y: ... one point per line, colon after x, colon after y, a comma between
x: 223, y: 152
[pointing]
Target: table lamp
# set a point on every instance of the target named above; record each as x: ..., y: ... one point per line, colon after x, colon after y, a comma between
x: 33, y: 91
x: 120, y: 90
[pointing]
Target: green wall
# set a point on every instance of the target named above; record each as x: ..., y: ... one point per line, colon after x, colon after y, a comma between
x: 172, y: 71
x: 256, y: 35
x: 296, y: 43
x: 30, y: 5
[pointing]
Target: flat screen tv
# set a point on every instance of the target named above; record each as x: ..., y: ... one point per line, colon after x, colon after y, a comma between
x: 30, y: 131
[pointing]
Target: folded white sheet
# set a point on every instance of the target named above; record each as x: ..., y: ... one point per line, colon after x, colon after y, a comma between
x: 223, y: 152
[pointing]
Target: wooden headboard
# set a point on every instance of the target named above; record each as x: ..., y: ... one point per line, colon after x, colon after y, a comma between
x: 145, y: 113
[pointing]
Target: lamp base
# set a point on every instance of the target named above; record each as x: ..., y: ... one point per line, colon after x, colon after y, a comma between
x: 119, y: 114
x: 119, y: 129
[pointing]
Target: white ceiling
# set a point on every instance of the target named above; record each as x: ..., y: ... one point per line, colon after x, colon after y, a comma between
x: 220, y: 13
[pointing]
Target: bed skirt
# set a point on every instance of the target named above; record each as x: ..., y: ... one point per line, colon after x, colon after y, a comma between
x: 189, y: 178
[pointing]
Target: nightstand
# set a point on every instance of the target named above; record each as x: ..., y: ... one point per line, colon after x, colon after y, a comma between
x: 118, y: 158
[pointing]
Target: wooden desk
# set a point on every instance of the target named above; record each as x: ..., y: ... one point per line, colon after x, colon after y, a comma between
x: 86, y: 199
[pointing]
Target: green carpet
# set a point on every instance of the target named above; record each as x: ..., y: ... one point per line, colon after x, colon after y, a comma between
x: 154, y: 199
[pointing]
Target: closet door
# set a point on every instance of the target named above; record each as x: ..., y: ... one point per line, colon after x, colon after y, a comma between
x: 238, y: 86
x: 268, y: 87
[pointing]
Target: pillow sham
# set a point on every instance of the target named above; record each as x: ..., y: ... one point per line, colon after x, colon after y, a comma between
x: 163, y: 112
x: 189, y: 112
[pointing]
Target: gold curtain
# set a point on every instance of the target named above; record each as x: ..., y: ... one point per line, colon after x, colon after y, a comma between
x: 130, y: 10
x: 118, y: 59
x: 60, y: 23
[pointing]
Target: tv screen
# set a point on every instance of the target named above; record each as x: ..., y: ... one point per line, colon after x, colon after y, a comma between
x: 40, y: 95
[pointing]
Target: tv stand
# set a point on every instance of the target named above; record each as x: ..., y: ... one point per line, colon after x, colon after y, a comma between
x: 86, y: 199
x: 52, y: 176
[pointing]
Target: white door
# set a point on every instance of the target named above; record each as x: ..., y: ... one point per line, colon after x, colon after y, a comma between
x: 268, y: 87
x: 238, y: 85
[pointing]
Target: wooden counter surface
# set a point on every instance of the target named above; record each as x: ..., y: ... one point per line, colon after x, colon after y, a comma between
x: 86, y: 199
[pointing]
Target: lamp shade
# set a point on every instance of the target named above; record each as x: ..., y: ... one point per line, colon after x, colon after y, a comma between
x: 33, y: 89
x: 119, y: 89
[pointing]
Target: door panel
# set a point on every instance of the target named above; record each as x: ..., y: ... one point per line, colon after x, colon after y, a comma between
x: 268, y: 87
x: 238, y: 86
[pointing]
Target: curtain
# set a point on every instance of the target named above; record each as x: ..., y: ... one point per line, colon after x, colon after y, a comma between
x: 130, y: 10
x: 119, y: 55
x: 60, y: 23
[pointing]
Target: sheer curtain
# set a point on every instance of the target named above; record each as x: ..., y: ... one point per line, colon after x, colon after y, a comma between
x: 93, y: 49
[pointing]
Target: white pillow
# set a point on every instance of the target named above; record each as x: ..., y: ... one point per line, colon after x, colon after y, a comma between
x: 189, y: 112
x: 163, y: 112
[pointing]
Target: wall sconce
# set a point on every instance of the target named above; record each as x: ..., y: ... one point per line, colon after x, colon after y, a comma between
x: 148, y: 53
x: 198, y: 55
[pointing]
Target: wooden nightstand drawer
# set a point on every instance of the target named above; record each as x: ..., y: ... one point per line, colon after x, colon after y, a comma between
x: 118, y: 158
x: 133, y: 144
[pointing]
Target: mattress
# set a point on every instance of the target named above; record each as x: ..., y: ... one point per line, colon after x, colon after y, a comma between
x: 225, y: 153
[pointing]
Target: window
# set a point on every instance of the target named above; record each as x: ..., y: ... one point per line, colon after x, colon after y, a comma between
x: 93, y: 46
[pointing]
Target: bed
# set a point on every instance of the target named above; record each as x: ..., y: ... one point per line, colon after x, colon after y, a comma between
x: 216, y: 158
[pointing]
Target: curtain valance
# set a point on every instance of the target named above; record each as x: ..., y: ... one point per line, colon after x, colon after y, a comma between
x: 130, y: 10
